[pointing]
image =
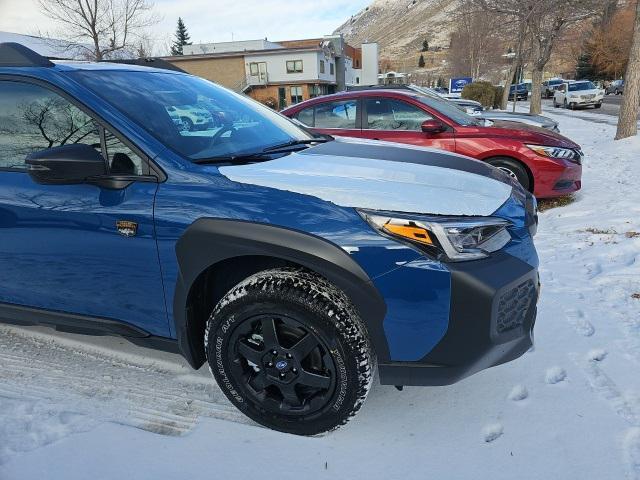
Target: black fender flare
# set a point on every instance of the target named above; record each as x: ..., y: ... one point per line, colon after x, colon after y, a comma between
x: 209, y: 241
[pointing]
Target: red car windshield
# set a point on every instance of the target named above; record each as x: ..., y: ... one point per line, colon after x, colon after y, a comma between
x: 449, y: 110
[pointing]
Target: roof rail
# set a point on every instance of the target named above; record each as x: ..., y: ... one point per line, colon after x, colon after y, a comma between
x: 16, y: 55
x: 149, y: 62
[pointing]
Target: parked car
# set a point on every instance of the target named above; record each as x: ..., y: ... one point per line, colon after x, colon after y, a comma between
x: 193, y: 117
x: 549, y: 86
x: 519, y: 92
x: 469, y: 106
x: 616, y: 87
x: 289, y: 264
x: 544, y: 162
x: 578, y: 94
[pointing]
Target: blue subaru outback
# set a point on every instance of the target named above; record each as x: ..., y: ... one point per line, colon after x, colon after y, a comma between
x: 295, y: 266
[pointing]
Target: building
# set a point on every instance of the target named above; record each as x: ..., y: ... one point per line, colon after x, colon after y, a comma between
x: 278, y: 74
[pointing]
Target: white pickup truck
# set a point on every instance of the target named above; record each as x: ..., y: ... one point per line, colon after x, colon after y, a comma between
x: 578, y: 94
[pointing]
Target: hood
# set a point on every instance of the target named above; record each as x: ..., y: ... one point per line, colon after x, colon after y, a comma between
x: 530, y: 134
x: 383, y: 176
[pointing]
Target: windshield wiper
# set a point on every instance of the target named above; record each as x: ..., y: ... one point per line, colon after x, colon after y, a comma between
x: 294, y: 143
x: 266, y: 154
x: 245, y: 157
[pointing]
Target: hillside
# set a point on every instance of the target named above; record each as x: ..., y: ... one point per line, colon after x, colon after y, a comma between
x: 400, y: 26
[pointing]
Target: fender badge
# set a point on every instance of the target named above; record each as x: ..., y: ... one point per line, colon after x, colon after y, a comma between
x: 127, y: 228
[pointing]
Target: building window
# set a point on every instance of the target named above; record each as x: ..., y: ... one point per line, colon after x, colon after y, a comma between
x: 253, y: 69
x: 357, y: 80
x: 296, y: 95
x: 357, y: 64
x: 294, y: 66
x: 321, y: 66
x: 331, y: 69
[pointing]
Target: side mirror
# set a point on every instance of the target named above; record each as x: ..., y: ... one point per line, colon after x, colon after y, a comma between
x: 433, y: 126
x: 65, y: 165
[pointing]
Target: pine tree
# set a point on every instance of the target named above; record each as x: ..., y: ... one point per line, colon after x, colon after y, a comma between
x: 425, y: 46
x: 182, y: 38
x: 421, y: 61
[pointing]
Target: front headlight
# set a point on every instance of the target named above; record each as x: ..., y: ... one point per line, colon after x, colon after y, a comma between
x: 556, y: 152
x: 455, y: 238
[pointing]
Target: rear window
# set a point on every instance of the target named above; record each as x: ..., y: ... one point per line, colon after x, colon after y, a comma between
x: 339, y: 114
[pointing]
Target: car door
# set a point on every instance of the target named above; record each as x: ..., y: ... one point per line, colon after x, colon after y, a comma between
x: 337, y: 117
x: 396, y: 120
x: 77, y: 249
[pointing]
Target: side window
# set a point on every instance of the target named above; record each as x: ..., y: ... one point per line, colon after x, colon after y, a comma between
x: 306, y: 116
x: 33, y: 118
x: 122, y: 160
x: 388, y: 114
x: 336, y: 114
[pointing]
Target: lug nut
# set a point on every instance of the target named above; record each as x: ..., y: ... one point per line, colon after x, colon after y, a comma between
x: 274, y: 352
x: 270, y: 364
x: 295, y: 370
x: 289, y: 355
x: 282, y: 375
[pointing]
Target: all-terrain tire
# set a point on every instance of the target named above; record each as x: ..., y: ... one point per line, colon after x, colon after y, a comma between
x: 295, y: 300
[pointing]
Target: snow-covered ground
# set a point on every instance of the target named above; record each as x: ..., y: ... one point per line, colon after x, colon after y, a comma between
x: 75, y: 407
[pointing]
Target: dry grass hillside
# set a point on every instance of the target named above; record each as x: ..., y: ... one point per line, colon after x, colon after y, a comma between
x: 400, y: 26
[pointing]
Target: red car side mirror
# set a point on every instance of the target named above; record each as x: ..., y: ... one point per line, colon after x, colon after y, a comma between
x: 433, y: 126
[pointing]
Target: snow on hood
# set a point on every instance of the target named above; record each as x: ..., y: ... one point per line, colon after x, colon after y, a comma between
x: 353, y: 181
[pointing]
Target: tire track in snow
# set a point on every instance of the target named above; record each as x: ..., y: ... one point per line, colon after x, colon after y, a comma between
x: 40, y: 371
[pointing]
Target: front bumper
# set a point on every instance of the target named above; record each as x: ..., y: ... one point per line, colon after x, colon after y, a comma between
x: 491, y: 318
x: 554, y: 178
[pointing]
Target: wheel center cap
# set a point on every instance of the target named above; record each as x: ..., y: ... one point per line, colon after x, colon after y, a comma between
x: 282, y: 364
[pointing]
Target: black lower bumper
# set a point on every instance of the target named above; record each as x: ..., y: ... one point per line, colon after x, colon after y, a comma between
x: 493, y: 311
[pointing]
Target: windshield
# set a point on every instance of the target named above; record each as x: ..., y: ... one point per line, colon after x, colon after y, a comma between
x: 574, y: 87
x: 449, y: 109
x: 192, y: 116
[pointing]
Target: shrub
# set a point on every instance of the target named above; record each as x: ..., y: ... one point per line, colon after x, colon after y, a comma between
x: 497, y: 99
x: 482, y: 92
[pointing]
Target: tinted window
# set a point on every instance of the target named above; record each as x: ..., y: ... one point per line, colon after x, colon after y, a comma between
x: 336, y: 114
x: 388, y: 114
x: 192, y: 116
x: 575, y: 87
x: 449, y: 110
x: 33, y: 118
x: 122, y: 160
x: 306, y: 116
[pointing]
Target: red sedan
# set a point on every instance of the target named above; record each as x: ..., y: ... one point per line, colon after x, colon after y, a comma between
x: 544, y: 162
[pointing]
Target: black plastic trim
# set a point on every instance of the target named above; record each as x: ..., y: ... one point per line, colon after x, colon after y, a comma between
x: 471, y: 343
x: 15, y: 55
x: 399, y: 153
x: 84, y: 325
x: 209, y: 241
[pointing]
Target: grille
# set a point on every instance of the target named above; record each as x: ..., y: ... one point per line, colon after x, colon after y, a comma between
x: 588, y: 97
x: 514, y: 305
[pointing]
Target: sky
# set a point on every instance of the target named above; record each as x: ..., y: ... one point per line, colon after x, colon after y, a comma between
x: 213, y: 20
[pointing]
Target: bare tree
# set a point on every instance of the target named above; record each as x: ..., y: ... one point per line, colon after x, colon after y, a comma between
x: 546, y: 21
x: 628, y: 118
x: 100, y: 29
x: 475, y: 49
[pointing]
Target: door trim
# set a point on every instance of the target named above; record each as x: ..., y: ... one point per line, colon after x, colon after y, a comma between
x: 84, y: 325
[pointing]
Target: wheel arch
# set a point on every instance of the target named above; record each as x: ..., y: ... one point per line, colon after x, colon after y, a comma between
x: 519, y: 162
x: 215, y: 254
